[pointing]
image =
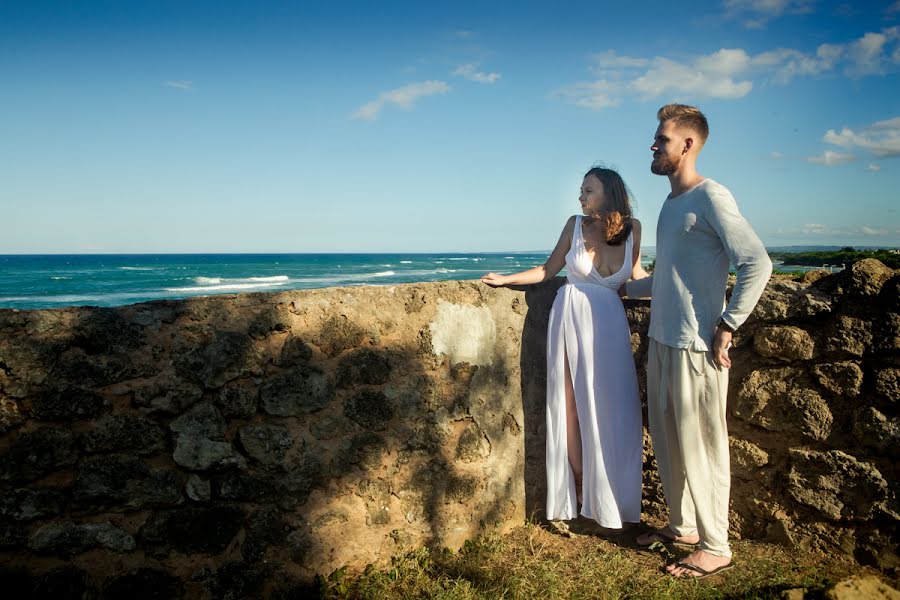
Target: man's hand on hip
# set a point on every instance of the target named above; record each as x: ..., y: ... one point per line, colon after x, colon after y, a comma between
x: 721, y: 344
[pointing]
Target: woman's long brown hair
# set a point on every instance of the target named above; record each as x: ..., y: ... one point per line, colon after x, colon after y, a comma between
x: 617, y: 213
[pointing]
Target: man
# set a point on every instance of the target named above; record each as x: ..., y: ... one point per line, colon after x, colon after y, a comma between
x: 699, y: 232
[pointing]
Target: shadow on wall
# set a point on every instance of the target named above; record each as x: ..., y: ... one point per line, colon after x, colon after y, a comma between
x: 214, y: 446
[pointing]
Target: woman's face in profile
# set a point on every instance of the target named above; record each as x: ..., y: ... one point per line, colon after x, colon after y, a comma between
x: 592, y: 197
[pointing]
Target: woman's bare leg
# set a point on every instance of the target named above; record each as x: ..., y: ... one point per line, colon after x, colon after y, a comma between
x: 573, y: 432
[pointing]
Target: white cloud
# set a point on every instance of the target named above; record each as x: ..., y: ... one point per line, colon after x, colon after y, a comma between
x: 873, y: 167
x: 873, y: 230
x: 404, y: 97
x: 818, y: 229
x: 179, y: 84
x: 776, y: 155
x: 830, y: 158
x: 757, y: 13
x: 881, y: 138
x: 471, y: 73
x: 728, y: 73
x: 814, y: 228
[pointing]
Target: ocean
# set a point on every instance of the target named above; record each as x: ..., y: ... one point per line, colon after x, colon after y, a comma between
x: 57, y: 280
x: 51, y: 281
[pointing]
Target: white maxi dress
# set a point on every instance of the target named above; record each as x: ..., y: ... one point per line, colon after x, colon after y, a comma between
x: 588, y: 325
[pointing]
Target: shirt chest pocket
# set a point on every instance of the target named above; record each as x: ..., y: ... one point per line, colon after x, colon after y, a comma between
x: 688, y: 223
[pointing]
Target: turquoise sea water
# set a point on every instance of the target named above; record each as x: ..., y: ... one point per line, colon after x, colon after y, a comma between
x: 51, y: 281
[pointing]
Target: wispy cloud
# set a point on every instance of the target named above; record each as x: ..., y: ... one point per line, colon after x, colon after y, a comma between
x: 881, y: 138
x: 776, y: 155
x: 728, y: 73
x: 404, y: 97
x: 874, y: 167
x: 848, y: 231
x: 829, y: 158
x: 471, y: 73
x: 179, y: 84
x: 757, y: 13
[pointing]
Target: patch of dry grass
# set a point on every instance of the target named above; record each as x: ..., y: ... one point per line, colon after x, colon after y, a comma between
x: 533, y: 562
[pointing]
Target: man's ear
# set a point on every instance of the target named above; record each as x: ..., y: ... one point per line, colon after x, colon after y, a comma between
x: 688, y: 142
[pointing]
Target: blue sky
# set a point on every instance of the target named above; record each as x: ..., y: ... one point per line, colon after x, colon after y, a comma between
x: 271, y: 126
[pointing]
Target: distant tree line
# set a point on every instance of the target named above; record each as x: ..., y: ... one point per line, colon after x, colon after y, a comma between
x: 846, y: 256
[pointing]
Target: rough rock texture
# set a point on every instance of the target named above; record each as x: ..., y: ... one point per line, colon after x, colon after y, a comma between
x: 235, y: 446
x: 862, y: 588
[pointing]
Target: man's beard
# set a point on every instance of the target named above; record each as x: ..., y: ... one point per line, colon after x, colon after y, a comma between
x: 665, y: 165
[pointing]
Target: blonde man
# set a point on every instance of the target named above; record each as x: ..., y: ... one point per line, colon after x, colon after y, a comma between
x: 699, y: 233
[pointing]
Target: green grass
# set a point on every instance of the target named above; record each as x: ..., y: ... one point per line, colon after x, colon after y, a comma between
x: 532, y: 562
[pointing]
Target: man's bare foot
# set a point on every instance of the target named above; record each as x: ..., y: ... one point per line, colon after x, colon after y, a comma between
x: 699, y: 564
x: 666, y: 536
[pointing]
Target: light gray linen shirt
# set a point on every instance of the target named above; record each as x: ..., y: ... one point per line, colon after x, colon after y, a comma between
x: 698, y: 234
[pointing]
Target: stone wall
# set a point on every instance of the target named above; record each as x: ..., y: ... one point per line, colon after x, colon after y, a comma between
x: 217, y: 447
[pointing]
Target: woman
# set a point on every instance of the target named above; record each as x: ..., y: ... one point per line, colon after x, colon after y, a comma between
x: 594, y: 436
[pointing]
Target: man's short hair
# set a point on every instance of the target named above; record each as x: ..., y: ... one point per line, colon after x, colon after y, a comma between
x: 685, y: 116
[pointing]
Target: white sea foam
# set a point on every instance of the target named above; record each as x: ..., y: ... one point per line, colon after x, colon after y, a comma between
x: 137, y: 268
x: 207, y: 280
x: 405, y: 262
x: 226, y: 286
x: 272, y: 278
x: 60, y: 277
x: 383, y: 274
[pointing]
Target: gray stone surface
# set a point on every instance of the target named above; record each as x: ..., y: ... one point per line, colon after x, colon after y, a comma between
x: 265, y: 443
x: 778, y: 400
x: 295, y: 392
x: 785, y: 343
x: 124, y: 433
x: 68, y: 538
x: 124, y: 482
x: 836, y: 484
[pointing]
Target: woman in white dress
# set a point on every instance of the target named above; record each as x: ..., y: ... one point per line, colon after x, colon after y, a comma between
x: 594, y: 439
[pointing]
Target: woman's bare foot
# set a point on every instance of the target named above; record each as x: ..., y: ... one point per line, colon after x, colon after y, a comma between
x: 666, y: 536
x: 699, y: 564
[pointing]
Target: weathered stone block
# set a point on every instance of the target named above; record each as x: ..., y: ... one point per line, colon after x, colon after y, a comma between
x: 35, y: 454
x: 192, y: 530
x: 294, y: 352
x: 295, y: 392
x: 67, y: 404
x: 27, y: 504
x: 887, y: 383
x: 201, y: 454
x: 124, y: 433
x: 473, y: 445
x: 228, y: 355
x: 237, y: 402
x: 862, y: 588
x: 840, y: 378
x: 339, y: 333
x: 197, y: 488
x: 68, y: 538
x: 168, y: 395
x: 370, y: 409
x: 782, y: 300
x: 862, y: 279
x: 785, y: 343
x: 848, y: 335
x: 121, y: 481
x: 10, y: 415
x: 366, y: 366
x: 887, y: 332
x: 202, y: 421
x: 272, y: 319
x: 836, y: 484
x: 876, y: 431
x: 266, y: 443
x: 746, y: 458
x: 777, y: 400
